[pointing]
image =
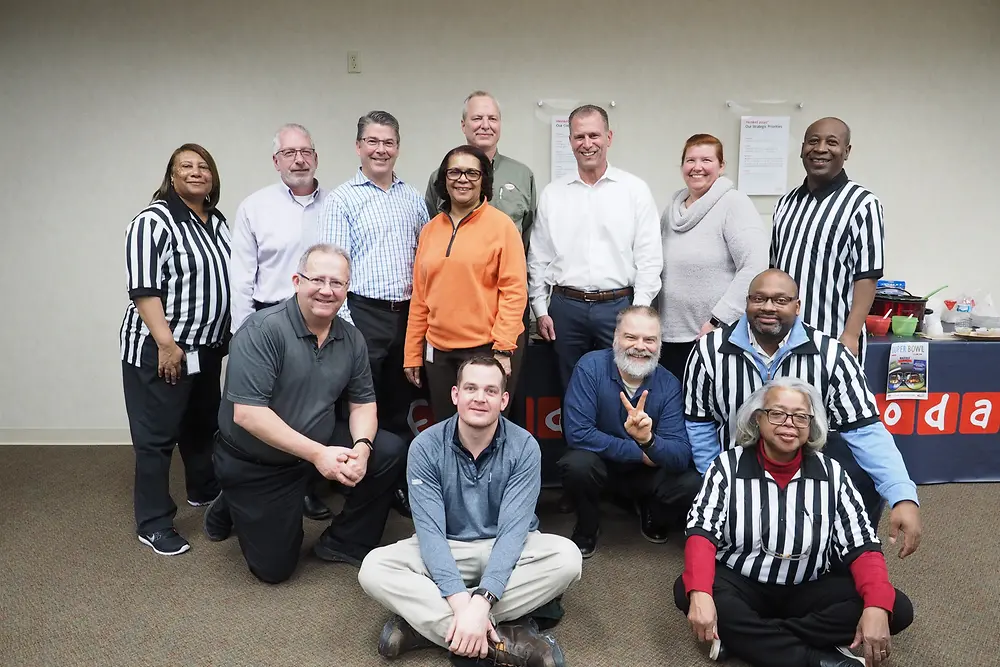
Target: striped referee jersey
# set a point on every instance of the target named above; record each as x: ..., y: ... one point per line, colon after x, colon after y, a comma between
x: 172, y: 254
x: 826, y: 240
x: 780, y: 536
x: 724, y: 370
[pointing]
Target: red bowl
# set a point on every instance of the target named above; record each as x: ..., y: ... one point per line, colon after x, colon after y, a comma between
x: 878, y: 326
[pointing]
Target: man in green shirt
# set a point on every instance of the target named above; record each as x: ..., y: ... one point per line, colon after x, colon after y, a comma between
x: 513, y: 183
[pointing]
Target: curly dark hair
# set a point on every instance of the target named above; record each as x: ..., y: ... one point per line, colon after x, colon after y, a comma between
x: 485, y: 166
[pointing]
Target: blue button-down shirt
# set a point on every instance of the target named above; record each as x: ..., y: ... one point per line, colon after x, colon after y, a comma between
x: 379, y: 229
x: 594, y: 416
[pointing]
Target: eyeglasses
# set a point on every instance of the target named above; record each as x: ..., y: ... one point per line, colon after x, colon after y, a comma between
x: 807, y: 540
x: 320, y: 283
x: 372, y: 142
x: 456, y: 174
x: 290, y: 153
x: 779, y: 417
x: 760, y: 300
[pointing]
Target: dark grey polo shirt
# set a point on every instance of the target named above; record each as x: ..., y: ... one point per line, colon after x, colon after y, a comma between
x: 274, y: 362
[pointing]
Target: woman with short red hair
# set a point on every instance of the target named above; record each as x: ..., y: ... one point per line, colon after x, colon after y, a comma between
x: 714, y: 243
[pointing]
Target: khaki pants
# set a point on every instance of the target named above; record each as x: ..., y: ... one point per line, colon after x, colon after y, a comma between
x: 395, y: 576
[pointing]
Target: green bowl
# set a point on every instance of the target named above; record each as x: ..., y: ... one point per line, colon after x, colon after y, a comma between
x: 904, y: 326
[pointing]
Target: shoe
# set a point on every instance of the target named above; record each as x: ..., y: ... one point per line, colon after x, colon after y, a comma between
x: 398, y: 637
x: 218, y: 522
x: 717, y: 652
x: 586, y: 543
x: 650, y: 528
x: 847, y: 652
x: 165, y: 542
x: 315, y: 508
x: 202, y: 503
x: 839, y: 658
x: 522, y: 645
x: 334, y: 555
x: 565, y: 504
x: 401, y: 503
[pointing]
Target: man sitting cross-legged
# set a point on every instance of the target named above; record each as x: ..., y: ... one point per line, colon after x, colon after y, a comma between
x: 477, y: 561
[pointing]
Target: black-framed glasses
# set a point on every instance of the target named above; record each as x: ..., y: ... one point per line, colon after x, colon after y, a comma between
x: 455, y: 174
x: 290, y: 153
x: 779, y: 417
x: 372, y: 142
x: 320, y: 283
x: 761, y: 299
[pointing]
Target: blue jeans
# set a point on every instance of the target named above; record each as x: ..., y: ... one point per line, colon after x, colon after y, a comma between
x: 582, y: 326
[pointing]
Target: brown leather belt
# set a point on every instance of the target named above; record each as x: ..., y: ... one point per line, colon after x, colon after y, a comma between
x: 593, y: 297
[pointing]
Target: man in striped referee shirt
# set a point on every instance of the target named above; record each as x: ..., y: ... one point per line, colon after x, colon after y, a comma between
x: 769, y: 341
x: 828, y: 235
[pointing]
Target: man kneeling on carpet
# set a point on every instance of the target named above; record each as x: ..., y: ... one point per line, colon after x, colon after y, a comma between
x: 775, y: 513
x: 477, y: 567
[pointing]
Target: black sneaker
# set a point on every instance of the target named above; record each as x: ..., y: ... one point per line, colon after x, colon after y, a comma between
x: 586, y: 543
x: 165, y: 542
x: 218, y: 523
x: 838, y: 659
x: 315, y: 508
x: 333, y: 554
x: 401, y: 503
x: 651, y: 529
x: 398, y: 637
x: 716, y: 651
x: 204, y: 502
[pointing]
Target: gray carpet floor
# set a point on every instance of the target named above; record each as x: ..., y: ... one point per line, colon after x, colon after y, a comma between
x: 77, y: 588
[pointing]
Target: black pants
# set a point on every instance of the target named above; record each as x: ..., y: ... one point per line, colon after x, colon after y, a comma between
x: 265, y: 503
x: 442, y: 373
x: 582, y: 326
x: 384, y: 330
x: 674, y: 357
x: 585, y: 475
x: 161, y: 415
x: 768, y: 625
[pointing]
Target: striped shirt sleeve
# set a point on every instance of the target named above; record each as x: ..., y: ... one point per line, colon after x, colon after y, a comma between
x: 869, y: 254
x: 707, y: 516
x: 145, y: 253
x: 698, y: 382
x: 853, y: 534
x: 850, y: 403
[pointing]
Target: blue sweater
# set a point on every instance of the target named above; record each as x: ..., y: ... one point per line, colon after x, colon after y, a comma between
x: 453, y: 497
x: 594, y: 418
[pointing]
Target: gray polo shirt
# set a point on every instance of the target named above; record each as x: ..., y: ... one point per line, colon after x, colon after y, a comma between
x: 274, y: 362
x: 513, y: 193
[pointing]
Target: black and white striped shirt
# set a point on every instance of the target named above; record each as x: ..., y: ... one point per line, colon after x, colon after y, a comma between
x: 826, y: 240
x: 723, y: 370
x: 780, y: 536
x: 171, y: 253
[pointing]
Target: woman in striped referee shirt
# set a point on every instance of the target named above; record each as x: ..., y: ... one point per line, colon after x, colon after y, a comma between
x: 776, y: 514
x: 172, y: 340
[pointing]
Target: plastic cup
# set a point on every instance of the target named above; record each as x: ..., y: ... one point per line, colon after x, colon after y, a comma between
x: 903, y: 326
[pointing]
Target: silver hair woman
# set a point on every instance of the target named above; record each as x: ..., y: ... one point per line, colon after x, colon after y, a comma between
x: 747, y: 418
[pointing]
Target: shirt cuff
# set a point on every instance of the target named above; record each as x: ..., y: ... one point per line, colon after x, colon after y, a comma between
x: 493, y: 586
x: 898, y: 492
x: 540, y: 307
x: 452, y: 587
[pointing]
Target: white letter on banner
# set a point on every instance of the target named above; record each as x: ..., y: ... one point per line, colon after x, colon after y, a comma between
x: 935, y: 416
x: 893, y: 413
x: 981, y: 415
x: 553, y: 421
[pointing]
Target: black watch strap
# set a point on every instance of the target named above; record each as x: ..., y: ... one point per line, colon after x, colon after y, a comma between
x: 371, y: 447
x: 715, y: 321
x: 646, y: 445
x: 492, y: 599
x: 504, y: 353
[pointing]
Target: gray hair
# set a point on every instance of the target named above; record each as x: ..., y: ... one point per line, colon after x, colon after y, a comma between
x: 377, y: 118
x: 478, y: 93
x: 747, y: 429
x: 276, y: 143
x: 648, y: 311
x: 329, y: 249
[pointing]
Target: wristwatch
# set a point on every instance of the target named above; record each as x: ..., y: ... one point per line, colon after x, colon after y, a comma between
x: 368, y: 442
x: 492, y: 599
x: 715, y: 321
x: 504, y: 353
x: 646, y: 445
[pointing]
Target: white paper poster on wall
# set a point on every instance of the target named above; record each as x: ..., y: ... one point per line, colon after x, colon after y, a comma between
x: 764, y: 155
x: 563, y: 160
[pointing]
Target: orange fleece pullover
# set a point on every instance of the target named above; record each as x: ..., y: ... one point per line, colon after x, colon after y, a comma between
x: 470, y: 285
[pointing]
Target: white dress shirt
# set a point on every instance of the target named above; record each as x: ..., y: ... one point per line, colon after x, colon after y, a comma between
x: 271, y: 232
x: 595, y: 237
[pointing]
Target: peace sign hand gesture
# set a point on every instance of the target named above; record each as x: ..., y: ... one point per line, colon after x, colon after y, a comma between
x: 638, y: 425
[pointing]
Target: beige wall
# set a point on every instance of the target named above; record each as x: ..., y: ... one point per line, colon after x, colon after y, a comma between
x: 96, y: 96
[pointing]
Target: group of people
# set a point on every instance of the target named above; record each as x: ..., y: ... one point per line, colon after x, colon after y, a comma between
x: 700, y: 385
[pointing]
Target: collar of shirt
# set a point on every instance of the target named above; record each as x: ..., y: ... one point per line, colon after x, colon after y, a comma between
x: 824, y: 191
x: 361, y: 179
x: 611, y: 174
x: 456, y: 440
x: 739, y: 337
x: 299, y: 322
x: 180, y: 211
x: 750, y: 467
x: 292, y: 195
x: 768, y: 358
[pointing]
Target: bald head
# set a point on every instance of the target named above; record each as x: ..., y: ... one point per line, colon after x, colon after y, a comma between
x: 774, y: 278
x: 825, y: 148
x: 830, y: 125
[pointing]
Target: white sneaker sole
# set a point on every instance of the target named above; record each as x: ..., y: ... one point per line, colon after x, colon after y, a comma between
x: 186, y: 547
x: 843, y: 650
x: 715, y: 650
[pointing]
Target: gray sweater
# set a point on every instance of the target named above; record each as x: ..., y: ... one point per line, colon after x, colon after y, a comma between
x: 453, y: 497
x: 711, y: 252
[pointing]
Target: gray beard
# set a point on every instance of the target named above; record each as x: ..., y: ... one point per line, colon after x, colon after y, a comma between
x: 636, y: 367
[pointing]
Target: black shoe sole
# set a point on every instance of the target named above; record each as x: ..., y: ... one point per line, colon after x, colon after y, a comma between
x: 334, y: 556
x: 220, y: 535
